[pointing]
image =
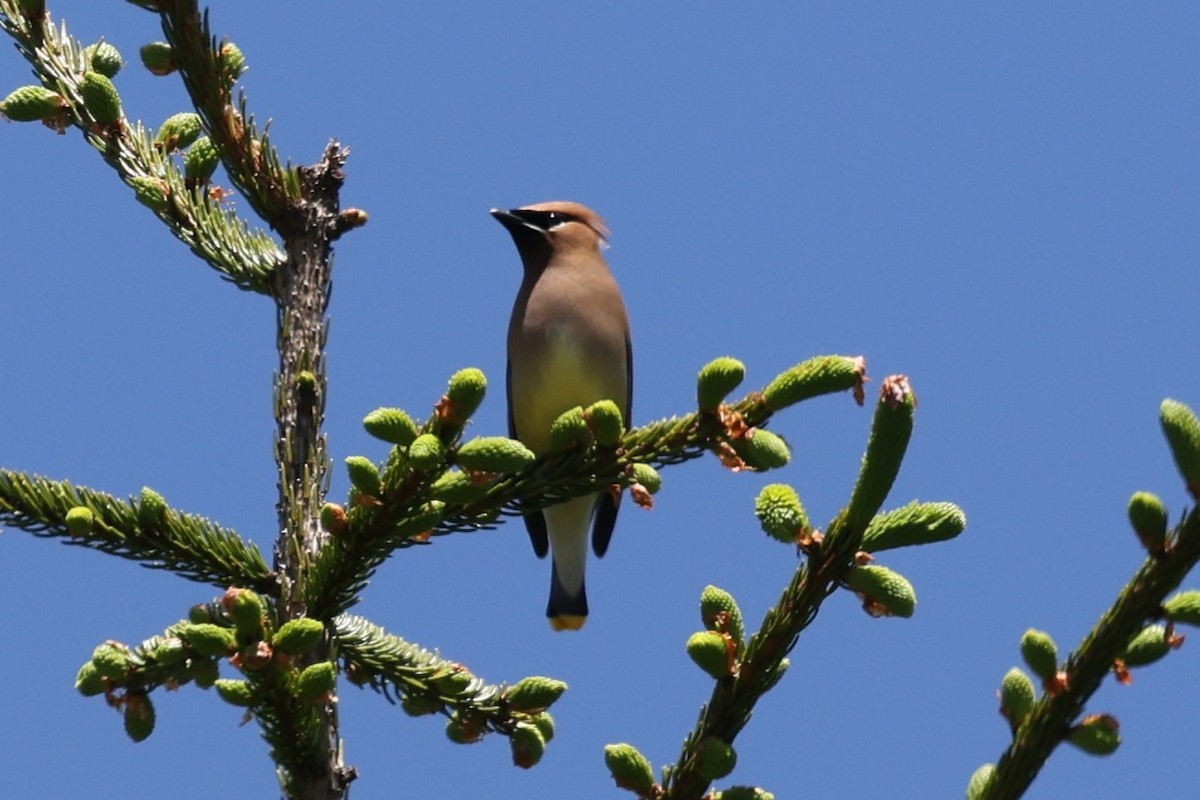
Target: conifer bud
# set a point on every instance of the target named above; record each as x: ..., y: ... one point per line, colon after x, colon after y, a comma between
x: 208, y: 639
x: 464, y: 728
x: 205, y: 671
x: 629, y: 768
x: 100, y: 98
x: 648, y: 477
x: 104, y: 58
x: 781, y: 514
x: 32, y: 104
x: 1017, y: 696
x: 534, y: 694
x: 150, y: 192
x: 711, y: 652
x: 1182, y: 430
x: 158, y: 57
x: 89, y: 681
x: 1184, y: 608
x: 981, y: 779
x: 456, y: 487
x: 1147, y: 646
x: 545, y: 725
x: 814, y: 377
x: 569, y: 430
x: 605, y: 421
x: 716, y: 380
x: 153, y: 507
x: 494, y: 454
x: 762, y: 450
x: 426, y: 453
x: 231, y: 62
x: 720, y: 612
x: 178, y: 132
x: 200, y: 161
x: 884, y: 593
x: 364, y: 475
x: 316, y: 681
x: 80, y: 520
x: 298, y: 635
x: 1040, y: 653
x: 1097, y: 734
x: 334, y: 519
x: 465, y: 392
x: 391, y: 425
x: 913, y: 524
x: 717, y: 758
x: 111, y: 660
x: 527, y: 745
x: 1148, y: 516
x: 235, y: 692
x: 139, y: 716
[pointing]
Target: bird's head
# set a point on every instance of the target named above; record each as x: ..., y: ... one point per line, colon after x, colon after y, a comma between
x: 557, y: 226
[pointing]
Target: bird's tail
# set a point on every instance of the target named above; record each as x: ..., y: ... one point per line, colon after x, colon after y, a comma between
x: 566, y: 612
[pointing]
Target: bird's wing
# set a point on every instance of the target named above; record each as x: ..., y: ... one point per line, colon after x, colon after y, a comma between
x: 609, y: 503
x: 535, y: 523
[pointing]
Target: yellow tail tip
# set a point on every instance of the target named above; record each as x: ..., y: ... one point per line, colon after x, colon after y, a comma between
x: 567, y: 622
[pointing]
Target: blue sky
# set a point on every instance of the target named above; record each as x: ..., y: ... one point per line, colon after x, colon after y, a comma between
x: 999, y: 202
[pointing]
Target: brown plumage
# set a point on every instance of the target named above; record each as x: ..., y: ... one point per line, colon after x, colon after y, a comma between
x: 568, y: 345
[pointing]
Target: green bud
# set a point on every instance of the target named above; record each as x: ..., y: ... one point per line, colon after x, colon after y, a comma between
x: 545, y: 725
x: 150, y: 192
x: 168, y: 651
x: 1040, y: 653
x: 716, y: 380
x: 247, y: 610
x: 606, y: 423
x: 298, y: 635
x: 32, y: 104
x: 570, y: 430
x: 80, y: 520
x: 812, y: 378
x: 1147, y: 646
x: 465, y: 393
x: 89, y: 681
x: 762, y: 450
x: 364, y: 475
x: 1184, y: 608
x: 980, y: 781
x: 100, y: 98
x: 914, y: 524
x: 139, y: 716
x: 426, y: 453
x: 717, y: 758
x: 527, y: 745
x: 648, y: 477
x: 781, y: 514
x: 208, y: 639
x: 1098, y: 735
x: 453, y: 680
x: 1017, y: 696
x: 464, y: 728
x: 158, y: 57
x: 884, y: 593
x: 534, y: 694
x: 494, y: 454
x: 104, y: 58
x: 720, y: 612
x: 391, y: 425
x: 712, y: 653
x: 205, y: 671
x: 743, y: 793
x: 316, y: 682
x: 200, y: 161
x: 111, y: 660
x: 1182, y: 429
x: 235, y: 692
x: 1148, y: 516
x: 891, y: 429
x: 629, y: 768
x: 456, y: 487
x: 231, y: 62
x: 153, y: 507
x: 178, y: 132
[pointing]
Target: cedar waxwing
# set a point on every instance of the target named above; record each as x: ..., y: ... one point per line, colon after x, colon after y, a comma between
x: 568, y: 345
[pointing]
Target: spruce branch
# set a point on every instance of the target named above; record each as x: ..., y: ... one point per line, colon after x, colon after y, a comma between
x: 758, y: 665
x: 188, y: 545
x: 423, y: 682
x: 222, y: 240
x: 403, y: 510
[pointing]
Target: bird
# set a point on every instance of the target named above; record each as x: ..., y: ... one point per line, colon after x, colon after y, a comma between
x: 568, y: 346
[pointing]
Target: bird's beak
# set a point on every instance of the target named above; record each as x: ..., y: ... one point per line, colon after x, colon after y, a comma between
x: 508, y: 219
